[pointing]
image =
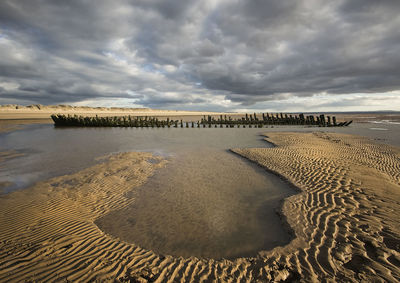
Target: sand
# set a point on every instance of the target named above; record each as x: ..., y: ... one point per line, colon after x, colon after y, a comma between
x: 345, y: 219
x: 44, y: 112
x: 47, y: 232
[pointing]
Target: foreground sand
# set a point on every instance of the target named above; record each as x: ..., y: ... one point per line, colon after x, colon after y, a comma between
x: 345, y: 219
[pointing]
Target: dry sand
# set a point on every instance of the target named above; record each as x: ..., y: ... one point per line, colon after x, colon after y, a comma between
x: 44, y: 112
x: 15, y: 117
x: 345, y: 220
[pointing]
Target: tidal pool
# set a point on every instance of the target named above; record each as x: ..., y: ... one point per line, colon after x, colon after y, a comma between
x: 204, y: 203
x: 207, y: 202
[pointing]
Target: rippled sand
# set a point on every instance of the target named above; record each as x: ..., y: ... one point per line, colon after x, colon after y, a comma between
x: 345, y: 219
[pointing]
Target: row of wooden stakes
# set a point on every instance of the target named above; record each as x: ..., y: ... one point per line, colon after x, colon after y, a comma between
x: 209, y: 121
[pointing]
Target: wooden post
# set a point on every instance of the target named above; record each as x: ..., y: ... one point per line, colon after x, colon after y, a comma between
x: 322, y: 120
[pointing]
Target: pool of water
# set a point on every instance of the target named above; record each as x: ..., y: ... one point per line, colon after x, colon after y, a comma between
x: 206, y: 203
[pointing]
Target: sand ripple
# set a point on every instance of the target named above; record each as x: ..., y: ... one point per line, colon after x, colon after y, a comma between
x: 347, y: 217
x: 345, y: 220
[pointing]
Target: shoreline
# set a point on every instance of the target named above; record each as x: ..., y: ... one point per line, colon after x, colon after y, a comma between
x: 344, y: 220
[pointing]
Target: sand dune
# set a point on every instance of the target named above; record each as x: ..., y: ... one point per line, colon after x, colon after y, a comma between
x: 12, y: 111
x: 345, y: 220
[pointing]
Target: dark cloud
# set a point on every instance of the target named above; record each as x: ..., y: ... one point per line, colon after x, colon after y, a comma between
x: 197, y: 54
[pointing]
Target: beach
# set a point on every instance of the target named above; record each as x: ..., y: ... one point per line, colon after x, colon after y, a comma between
x: 343, y: 217
x: 31, y: 112
x: 200, y: 141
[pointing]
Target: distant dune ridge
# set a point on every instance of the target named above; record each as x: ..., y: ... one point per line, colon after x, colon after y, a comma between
x: 345, y: 220
x: 67, y: 107
x: 38, y: 111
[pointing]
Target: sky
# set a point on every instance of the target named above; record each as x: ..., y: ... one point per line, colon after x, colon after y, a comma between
x: 228, y: 55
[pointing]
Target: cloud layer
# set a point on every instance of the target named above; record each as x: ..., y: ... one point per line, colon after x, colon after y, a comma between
x: 218, y: 55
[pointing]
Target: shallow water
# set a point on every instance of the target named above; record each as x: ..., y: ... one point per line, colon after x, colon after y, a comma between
x: 207, y: 202
x: 49, y: 151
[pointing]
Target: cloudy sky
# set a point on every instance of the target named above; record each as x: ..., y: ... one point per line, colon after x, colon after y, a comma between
x: 263, y: 55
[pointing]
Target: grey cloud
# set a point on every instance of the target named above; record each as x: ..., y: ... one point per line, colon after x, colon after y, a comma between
x: 209, y: 49
x: 247, y: 51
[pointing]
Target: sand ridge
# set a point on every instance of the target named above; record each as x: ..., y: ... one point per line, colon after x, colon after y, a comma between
x: 345, y: 220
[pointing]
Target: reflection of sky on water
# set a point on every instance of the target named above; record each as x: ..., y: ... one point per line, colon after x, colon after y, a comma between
x: 378, y: 129
x: 395, y: 122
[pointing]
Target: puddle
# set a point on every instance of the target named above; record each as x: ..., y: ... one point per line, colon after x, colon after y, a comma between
x: 206, y: 203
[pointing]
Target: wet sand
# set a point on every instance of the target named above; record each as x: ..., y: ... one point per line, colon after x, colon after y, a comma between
x: 9, y: 125
x: 345, y: 219
x: 47, y: 232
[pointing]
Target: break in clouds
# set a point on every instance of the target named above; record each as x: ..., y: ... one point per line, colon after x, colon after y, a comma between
x: 198, y: 55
